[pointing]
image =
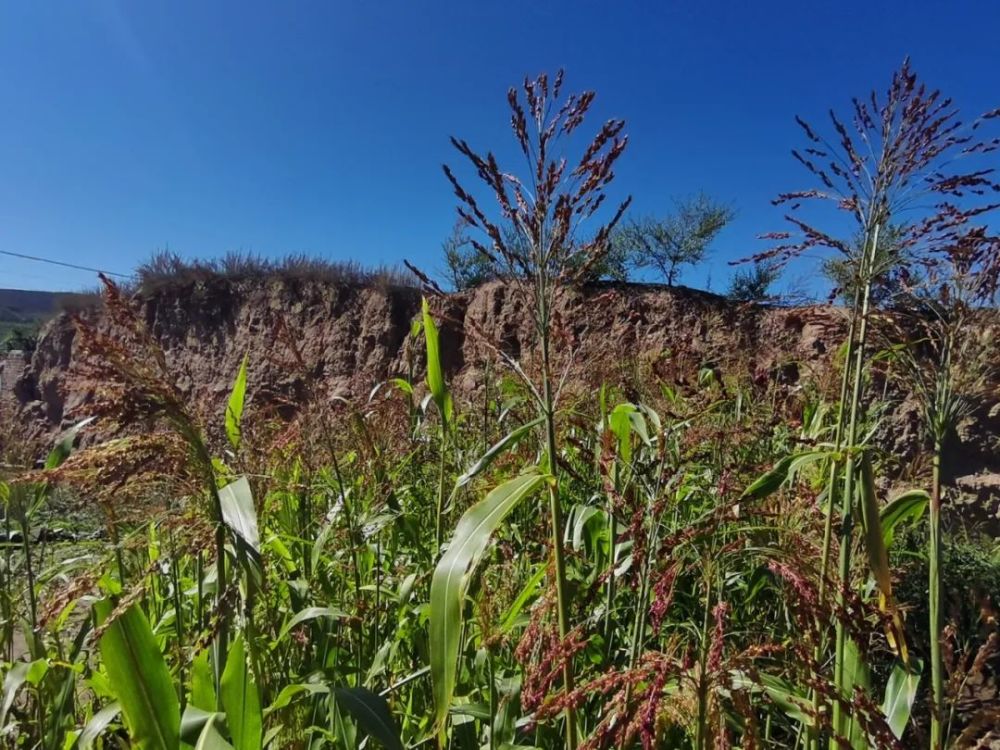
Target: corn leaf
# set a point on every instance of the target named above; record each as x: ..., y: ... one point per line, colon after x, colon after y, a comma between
x: 371, y: 712
x: 878, y: 556
x: 16, y: 676
x: 505, y: 443
x: 202, y: 682
x: 64, y: 447
x: 435, y: 374
x: 140, y: 679
x: 210, y: 739
x: 239, y: 514
x: 856, y: 675
x: 234, y: 409
x: 310, y: 613
x: 241, y: 700
x: 908, y: 506
x: 451, y: 581
x: 97, y: 724
x: 194, y: 720
x: 900, y: 693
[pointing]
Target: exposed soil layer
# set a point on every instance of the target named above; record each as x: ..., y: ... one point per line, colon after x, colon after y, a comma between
x: 352, y: 337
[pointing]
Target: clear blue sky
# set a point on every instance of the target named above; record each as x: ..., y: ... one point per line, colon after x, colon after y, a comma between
x: 320, y: 127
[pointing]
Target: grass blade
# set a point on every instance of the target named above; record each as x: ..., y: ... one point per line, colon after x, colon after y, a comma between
x: 234, y: 408
x: 241, y: 701
x: 372, y: 714
x: 451, y: 580
x: 140, y: 679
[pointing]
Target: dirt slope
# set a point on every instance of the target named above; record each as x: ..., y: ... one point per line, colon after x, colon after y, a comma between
x: 351, y: 337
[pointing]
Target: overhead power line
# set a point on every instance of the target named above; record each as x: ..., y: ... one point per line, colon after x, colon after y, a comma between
x: 65, y: 265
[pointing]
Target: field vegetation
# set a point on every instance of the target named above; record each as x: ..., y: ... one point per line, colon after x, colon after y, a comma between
x: 694, y: 561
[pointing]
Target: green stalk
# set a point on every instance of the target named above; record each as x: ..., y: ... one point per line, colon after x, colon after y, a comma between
x: 439, y: 519
x: 555, y: 510
x: 847, y: 500
x: 831, y: 501
x: 934, y: 598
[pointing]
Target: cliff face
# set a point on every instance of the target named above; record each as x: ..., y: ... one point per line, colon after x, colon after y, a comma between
x: 350, y: 337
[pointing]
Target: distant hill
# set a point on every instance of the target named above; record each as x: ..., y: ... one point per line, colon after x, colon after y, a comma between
x: 25, y: 306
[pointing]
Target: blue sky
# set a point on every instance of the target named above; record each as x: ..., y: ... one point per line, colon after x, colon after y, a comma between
x: 320, y: 127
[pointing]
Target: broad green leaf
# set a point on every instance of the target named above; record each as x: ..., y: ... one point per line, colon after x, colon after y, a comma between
x: 505, y: 443
x: 856, y: 675
x: 435, y: 374
x: 878, y: 556
x: 530, y: 589
x: 620, y: 424
x: 451, y: 581
x: 907, y: 506
x: 234, y: 409
x: 794, y: 703
x: 194, y: 720
x: 371, y: 713
x: 202, y: 682
x: 900, y: 693
x: 97, y: 724
x: 210, y: 739
x: 16, y: 676
x: 402, y: 384
x: 241, y: 700
x: 140, y: 679
x: 770, y: 481
x: 290, y: 692
x: 64, y: 447
x: 310, y: 613
x: 239, y: 514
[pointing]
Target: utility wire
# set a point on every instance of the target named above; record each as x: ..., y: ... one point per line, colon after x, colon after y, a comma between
x: 66, y: 265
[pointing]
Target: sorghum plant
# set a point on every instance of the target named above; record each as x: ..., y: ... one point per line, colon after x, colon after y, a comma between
x: 547, y: 210
x: 902, y: 160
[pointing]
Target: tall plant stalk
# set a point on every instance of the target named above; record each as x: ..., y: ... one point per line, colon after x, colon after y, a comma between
x: 535, y: 245
x: 850, y: 475
x: 893, y: 160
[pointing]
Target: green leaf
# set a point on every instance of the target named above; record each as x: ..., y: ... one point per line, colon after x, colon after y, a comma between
x: 770, y: 481
x: 794, y: 703
x: 194, y: 720
x: 529, y: 590
x: 140, y: 679
x: 435, y: 374
x: 372, y: 714
x: 900, y: 693
x: 210, y: 739
x: 97, y: 724
x: 239, y: 514
x: 64, y: 447
x: 241, y: 700
x: 290, y: 692
x: 505, y: 443
x: 234, y: 409
x: 16, y: 676
x: 908, y: 506
x: 856, y: 675
x: 451, y: 581
x: 310, y: 613
x: 878, y: 555
x: 402, y: 384
x: 202, y: 682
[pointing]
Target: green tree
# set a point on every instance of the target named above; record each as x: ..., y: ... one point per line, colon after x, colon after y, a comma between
x: 893, y: 268
x: 753, y: 284
x: 681, y: 238
x: 467, y: 267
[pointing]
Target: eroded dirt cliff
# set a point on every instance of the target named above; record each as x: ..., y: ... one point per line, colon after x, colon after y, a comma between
x: 344, y: 339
